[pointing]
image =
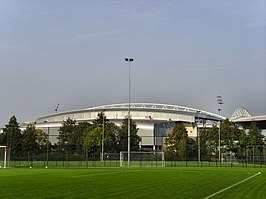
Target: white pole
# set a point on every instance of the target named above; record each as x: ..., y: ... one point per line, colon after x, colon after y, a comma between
x: 219, y: 147
x: 128, y: 128
x: 198, y: 137
x: 129, y: 60
x: 5, y: 158
x: 220, y: 102
x: 102, y: 140
x: 220, y: 136
x: 121, y: 159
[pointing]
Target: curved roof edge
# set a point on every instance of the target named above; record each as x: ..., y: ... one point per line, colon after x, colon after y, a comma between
x: 141, y: 106
x: 240, y: 112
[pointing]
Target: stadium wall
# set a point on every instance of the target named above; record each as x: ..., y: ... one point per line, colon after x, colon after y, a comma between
x: 146, y: 115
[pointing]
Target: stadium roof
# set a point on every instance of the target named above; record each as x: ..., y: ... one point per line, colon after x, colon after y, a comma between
x: 243, y: 118
x: 150, y: 107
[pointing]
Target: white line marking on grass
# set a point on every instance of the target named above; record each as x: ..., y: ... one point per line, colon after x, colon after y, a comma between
x: 233, y: 185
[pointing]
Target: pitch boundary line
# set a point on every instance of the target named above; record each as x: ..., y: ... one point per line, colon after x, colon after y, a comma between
x: 233, y: 185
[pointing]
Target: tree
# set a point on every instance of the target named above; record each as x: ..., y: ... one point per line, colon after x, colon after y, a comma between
x: 109, y: 132
x: 232, y: 139
x: 209, y: 138
x: 122, y: 138
x: 176, y: 142
x: 255, y: 140
x: 29, y: 144
x: 66, y: 138
x: 83, y: 127
x: 242, y: 145
x: 42, y: 139
x: 92, y: 140
x: 230, y: 136
x: 111, y: 136
x: 101, y: 118
x: 12, y: 137
x: 254, y: 136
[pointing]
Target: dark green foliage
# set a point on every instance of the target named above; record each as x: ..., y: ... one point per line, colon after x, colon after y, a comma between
x: 42, y: 139
x: 254, y: 136
x: 101, y: 118
x: 92, y: 140
x: 79, y: 139
x: 254, y: 141
x: 115, y: 138
x: 29, y: 141
x: 230, y: 136
x: 69, y: 136
x: 111, y: 132
x: 233, y: 140
x: 12, y: 137
x: 122, y: 140
x: 177, y: 142
x: 209, y: 142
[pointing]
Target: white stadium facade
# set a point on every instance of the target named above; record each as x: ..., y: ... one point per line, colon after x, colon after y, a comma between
x: 154, y: 121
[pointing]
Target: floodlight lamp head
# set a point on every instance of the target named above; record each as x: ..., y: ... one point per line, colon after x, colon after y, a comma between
x: 219, y: 100
x: 129, y: 59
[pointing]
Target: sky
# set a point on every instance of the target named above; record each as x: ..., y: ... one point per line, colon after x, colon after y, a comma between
x: 186, y: 52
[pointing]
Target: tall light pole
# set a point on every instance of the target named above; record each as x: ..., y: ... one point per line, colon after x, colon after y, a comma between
x: 102, y: 139
x: 220, y: 102
x: 129, y: 60
x: 198, y: 135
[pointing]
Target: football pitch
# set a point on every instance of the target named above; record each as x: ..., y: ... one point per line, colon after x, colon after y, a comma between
x: 133, y: 183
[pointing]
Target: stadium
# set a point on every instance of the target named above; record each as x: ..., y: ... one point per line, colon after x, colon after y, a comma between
x: 154, y: 121
x: 226, y: 179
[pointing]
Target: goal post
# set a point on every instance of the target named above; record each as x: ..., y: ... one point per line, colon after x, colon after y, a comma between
x: 3, y: 156
x: 142, y: 159
x: 229, y: 158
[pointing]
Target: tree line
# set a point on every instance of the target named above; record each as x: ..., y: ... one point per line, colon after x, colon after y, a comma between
x: 86, y: 139
x: 74, y: 138
x: 233, y: 140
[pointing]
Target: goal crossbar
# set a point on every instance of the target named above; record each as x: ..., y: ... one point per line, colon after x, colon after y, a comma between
x: 142, y: 159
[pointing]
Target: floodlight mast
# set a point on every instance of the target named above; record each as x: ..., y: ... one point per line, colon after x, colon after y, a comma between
x: 198, y: 136
x: 220, y: 102
x: 103, y: 138
x: 129, y: 60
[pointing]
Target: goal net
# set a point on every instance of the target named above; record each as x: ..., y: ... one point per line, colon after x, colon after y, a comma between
x: 229, y: 158
x: 2, y: 156
x: 142, y: 159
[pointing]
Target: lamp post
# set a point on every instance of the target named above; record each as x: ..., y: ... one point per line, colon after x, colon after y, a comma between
x: 220, y: 102
x: 47, y: 147
x: 102, y: 139
x: 129, y: 60
x: 198, y: 135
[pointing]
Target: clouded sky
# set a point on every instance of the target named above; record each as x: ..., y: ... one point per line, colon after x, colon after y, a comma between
x: 186, y: 53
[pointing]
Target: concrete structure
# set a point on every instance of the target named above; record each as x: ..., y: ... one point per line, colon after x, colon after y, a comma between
x: 243, y: 118
x: 153, y: 120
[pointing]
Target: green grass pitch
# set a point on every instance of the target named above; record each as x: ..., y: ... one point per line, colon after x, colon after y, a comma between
x: 131, y: 183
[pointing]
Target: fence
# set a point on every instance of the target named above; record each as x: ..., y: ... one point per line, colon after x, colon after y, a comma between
x: 116, y: 163
x: 196, y: 155
x: 61, y: 159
